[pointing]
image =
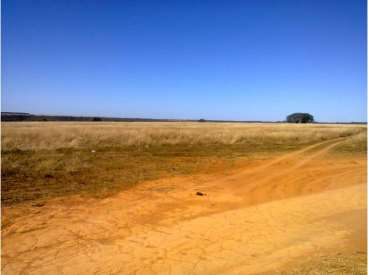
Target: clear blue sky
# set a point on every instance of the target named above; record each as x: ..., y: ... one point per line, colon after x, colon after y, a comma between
x: 241, y: 60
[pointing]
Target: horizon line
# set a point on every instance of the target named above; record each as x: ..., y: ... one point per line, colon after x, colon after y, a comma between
x: 131, y: 119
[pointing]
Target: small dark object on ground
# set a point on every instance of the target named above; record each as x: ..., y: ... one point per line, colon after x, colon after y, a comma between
x: 38, y: 204
x: 200, y: 194
x: 49, y: 176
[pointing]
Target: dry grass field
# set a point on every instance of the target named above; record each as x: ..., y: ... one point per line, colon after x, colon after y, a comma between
x: 120, y: 198
x: 42, y: 160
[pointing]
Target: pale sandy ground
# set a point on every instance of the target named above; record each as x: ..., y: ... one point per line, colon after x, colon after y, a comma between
x: 261, y: 219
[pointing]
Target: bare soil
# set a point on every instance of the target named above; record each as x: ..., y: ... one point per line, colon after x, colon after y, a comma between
x: 300, y: 213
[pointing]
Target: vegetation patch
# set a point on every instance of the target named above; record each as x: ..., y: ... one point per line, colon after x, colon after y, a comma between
x: 355, y: 264
x: 43, y: 160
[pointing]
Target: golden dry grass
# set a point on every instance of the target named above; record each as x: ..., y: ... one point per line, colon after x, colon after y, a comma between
x: 355, y: 263
x: 55, y: 135
x: 47, y: 159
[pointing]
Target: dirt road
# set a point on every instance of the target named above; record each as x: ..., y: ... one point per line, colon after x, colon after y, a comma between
x: 261, y: 219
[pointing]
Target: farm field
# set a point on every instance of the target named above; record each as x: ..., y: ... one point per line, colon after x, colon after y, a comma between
x: 122, y: 198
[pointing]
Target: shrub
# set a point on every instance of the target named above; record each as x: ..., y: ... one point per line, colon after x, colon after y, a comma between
x: 300, y: 118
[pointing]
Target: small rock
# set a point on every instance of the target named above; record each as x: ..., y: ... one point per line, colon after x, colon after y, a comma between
x: 93, y: 151
x: 200, y: 194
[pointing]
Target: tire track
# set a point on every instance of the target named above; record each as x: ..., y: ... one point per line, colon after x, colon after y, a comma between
x: 294, y: 154
x: 298, y: 164
x: 253, y: 174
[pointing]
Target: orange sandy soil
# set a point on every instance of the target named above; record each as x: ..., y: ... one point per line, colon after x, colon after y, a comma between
x: 266, y: 218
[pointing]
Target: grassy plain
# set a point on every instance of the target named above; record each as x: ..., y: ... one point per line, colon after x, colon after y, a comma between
x: 49, y: 159
x: 278, y: 198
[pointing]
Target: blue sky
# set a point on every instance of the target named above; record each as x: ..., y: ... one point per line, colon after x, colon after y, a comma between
x: 240, y: 60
